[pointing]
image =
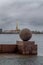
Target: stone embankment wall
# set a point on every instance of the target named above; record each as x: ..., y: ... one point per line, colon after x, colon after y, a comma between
x: 21, y: 47
x: 6, y: 48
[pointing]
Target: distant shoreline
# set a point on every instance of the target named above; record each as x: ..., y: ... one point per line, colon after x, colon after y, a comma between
x: 37, y: 32
x: 18, y: 32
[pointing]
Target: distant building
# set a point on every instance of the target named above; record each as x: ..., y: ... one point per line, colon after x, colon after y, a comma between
x: 17, y: 30
x: 0, y: 30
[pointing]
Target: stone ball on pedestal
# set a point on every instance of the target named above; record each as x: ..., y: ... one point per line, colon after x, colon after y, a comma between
x: 25, y: 34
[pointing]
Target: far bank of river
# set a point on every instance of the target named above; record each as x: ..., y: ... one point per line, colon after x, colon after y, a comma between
x: 33, y: 32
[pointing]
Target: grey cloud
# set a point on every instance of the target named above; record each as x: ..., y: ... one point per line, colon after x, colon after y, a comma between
x: 37, y: 22
x: 28, y: 13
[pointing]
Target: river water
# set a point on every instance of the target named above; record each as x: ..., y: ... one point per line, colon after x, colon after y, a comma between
x: 11, y: 39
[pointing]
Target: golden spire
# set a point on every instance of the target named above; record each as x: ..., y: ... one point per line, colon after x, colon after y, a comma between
x: 17, y: 25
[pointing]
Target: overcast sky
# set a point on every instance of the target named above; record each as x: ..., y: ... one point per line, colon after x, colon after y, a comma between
x: 29, y: 13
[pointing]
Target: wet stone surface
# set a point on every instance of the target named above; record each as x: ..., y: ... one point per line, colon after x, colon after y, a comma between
x: 22, y: 60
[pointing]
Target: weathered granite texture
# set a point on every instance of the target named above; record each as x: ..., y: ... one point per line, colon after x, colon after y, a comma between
x: 7, y: 48
x: 27, y: 47
x: 25, y: 34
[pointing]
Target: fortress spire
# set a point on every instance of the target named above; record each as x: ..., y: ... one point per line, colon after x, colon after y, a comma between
x: 16, y: 25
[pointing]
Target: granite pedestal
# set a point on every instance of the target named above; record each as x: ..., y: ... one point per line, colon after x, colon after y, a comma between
x: 27, y: 47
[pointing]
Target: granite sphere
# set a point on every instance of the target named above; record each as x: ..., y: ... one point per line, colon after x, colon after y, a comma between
x: 25, y: 34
